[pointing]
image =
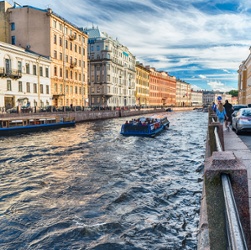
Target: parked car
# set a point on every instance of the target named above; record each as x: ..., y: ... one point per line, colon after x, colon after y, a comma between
x: 48, y: 108
x: 241, y: 120
x: 26, y: 109
x: 64, y: 108
x: 77, y: 108
x: 12, y: 110
x: 239, y: 106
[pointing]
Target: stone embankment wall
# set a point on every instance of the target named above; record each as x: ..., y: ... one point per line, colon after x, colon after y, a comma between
x: 82, y: 116
x: 212, y: 228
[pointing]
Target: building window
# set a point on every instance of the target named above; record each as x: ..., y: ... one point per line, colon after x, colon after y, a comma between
x: 98, y: 48
x: 12, y: 26
x: 60, y: 41
x: 66, y: 58
x: 61, y: 56
x: 20, y: 86
x: 27, y: 68
x: 67, y: 89
x: 71, y: 74
x: 34, y: 88
x: 41, y: 88
x: 71, y: 90
x: 47, y: 89
x: 47, y: 72
x: 13, y: 40
x: 55, y: 39
x: 61, y: 72
x: 8, y: 85
x: 41, y: 70
x: 55, y: 24
x: 76, y: 48
x: 76, y: 89
x: 19, y: 66
x: 55, y: 87
x: 66, y: 44
x: 34, y: 70
x: 55, y: 54
x: 70, y: 45
x: 28, y: 87
x: 55, y: 71
x: 83, y: 51
x: 61, y: 88
x: 66, y: 73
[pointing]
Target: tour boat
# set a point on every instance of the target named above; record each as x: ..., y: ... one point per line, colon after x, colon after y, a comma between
x: 145, y: 126
x: 11, y: 126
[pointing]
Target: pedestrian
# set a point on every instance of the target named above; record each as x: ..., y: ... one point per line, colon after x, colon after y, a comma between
x: 214, y: 107
x: 229, y: 110
x: 221, y: 112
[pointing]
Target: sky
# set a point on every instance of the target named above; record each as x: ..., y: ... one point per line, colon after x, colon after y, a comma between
x: 200, y: 42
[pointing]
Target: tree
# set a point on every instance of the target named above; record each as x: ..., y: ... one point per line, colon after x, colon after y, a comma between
x: 233, y: 92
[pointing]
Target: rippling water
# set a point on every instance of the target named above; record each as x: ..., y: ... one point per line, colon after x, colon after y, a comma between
x: 88, y: 187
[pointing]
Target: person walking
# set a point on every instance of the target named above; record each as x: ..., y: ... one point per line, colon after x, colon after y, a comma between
x: 221, y: 113
x: 229, y: 110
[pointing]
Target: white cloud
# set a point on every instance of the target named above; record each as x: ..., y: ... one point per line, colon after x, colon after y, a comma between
x: 202, y: 77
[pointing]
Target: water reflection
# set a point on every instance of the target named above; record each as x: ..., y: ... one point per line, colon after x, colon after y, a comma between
x: 91, y: 188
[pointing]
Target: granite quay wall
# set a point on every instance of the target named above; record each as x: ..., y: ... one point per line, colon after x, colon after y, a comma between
x: 231, y: 162
x: 82, y: 116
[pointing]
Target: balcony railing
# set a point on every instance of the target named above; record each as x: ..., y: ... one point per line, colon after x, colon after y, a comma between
x: 73, y: 64
x: 72, y: 37
x: 14, y: 73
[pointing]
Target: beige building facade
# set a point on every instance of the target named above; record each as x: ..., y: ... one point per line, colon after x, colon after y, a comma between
x: 183, y: 93
x: 48, y: 34
x: 4, y: 22
x: 112, y: 73
x: 244, y: 81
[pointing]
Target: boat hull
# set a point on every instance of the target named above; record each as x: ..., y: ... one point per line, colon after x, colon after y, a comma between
x: 141, y: 130
x: 35, y: 128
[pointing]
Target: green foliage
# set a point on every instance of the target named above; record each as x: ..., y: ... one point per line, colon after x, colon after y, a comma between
x: 233, y: 92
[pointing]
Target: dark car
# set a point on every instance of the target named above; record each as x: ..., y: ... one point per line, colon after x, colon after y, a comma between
x: 12, y: 110
x: 26, y: 109
x: 64, y: 108
x: 77, y: 108
x: 239, y: 106
x: 48, y: 108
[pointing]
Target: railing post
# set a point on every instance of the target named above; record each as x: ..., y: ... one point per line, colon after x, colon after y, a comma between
x: 219, y: 163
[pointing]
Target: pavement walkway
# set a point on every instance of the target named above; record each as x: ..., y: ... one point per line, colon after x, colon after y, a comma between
x: 233, y: 143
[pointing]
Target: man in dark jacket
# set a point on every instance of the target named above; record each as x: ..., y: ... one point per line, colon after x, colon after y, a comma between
x: 229, y: 110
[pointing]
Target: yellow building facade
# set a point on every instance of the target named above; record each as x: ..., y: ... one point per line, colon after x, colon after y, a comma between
x: 48, y: 34
x: 142, y: 85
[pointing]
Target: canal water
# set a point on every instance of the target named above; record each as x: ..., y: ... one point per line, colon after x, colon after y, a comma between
x: 88, y: 187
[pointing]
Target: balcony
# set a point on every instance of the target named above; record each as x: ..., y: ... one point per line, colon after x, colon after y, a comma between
x: 73, y: 65
x: 72, y: 37
x: 14, y: 73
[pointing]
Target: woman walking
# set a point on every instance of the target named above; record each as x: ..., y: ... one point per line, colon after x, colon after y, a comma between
x: 221, y: 113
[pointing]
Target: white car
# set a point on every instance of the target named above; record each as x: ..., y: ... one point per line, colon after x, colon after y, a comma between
x: 241, y: 120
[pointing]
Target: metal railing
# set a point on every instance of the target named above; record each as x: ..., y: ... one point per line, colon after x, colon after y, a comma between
x: 236, y: 238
